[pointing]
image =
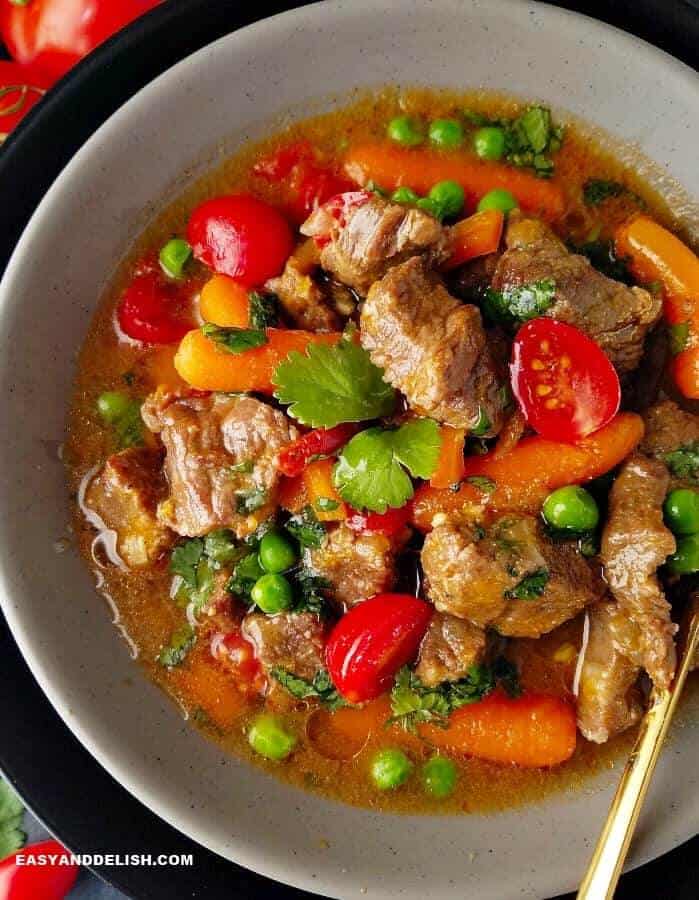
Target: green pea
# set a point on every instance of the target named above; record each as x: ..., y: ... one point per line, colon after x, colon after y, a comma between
x: 277, y: 554
x: 685, y: 559
x: 268, y: 737
x: 113, y: 405
x: 404, y: 195
x: 390, y: 769
x: 439, y: 776
x: 571, y: 508
x: 406, y: 131
x: 489, y: 142
x: 446, y: 198
x: 498, y: 199
x: 682, y: 511
x: 447, y: 133
x: 174, y: 257
x: 272, y: 593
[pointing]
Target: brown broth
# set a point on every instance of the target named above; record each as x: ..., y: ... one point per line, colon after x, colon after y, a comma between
x: 142, y: 597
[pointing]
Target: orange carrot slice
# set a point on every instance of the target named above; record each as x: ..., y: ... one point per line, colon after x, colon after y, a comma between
x: 321, y: 492
x: 225, y: 302
x: 475, y: 236
x: 450, y: 467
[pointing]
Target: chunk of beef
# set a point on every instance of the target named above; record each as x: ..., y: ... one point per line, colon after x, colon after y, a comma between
x: 634, y: 543
x: 511, y: 577
x: 449, y: 649
x: 125, y: 495
x: 357, y: 566
x: 291, y: 641
x: 670, y: 428
x: 302, y: 299
x: 433, y: 348
x: 221, y: 460
x: 608, y: 701
x: 617, y: 317
x: 371, y: 238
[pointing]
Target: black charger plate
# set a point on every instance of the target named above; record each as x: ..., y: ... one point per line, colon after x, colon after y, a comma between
x: 65, y: 787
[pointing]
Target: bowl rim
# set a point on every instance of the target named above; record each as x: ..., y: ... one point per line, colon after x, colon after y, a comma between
x: 288, y: 18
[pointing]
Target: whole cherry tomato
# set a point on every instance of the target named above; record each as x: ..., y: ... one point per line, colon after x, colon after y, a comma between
x: 390, y: 523
x: 564, y: 382
x: 320, y: 442
x: 240, y: 236
x: 55, y: 34
x: 372, y: 641
x: 21, y: 88
x: 47, y: 878
x: 152, y: 308
x: 304, y: 180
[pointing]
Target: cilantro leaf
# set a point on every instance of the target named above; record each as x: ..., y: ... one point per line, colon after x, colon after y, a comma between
x: 185, y: 559
x: 321, y: 688
x: 684, y: 462
x: 221, y: 548
x: 369, y: 473
x: 482, y: 482
x: 529, y: 587
x: 244, y: 576
x: 519, y: 304
x: 483, y: 424
x: 597, y: 190
x: 306, y: 528
x: 264, y: 310
x: 11, y: 811
x: 332, y: 384
x: 181, y: 642
x: 249, y: 501
x: 678, y: 337
x: 308, y: 590
x: 234, y: 340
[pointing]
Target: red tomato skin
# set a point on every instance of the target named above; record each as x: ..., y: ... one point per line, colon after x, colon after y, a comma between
x: 372, y: 641
x: 294, y: 458
x: 585, y: 394
x: 30, y: 86
x: 37, y: 882
x: 238, y: 655
x: 390, y: 523
x: 150, y: 309
x: 240, y: 236
x: 56, y: 34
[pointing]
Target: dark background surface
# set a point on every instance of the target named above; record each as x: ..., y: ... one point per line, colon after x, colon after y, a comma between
x: 66, y: 788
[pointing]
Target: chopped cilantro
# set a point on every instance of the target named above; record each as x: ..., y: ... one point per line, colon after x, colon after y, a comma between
x: 519, y: 304
x: 234, y: 340
x: 321, y: 688
x: 249, y: 501
x: 332, y: 384
x: 326, y: 504
x: 244, y: 576
x: 413, y: 702
x: 529, y: 138
x: 529, y: 587
x: 185, y: 559
x: 11, y: 812
x: 306, y: 528
x: 181, y: 642
x: 371, y: 470
x: 597, y: 190
x: 221, y: 547
x: 482, y: 482
x: 684, y: 462
x: 483, y: 424
x: 264, y: 310
x: 307, y: 590
x: 678, y: 337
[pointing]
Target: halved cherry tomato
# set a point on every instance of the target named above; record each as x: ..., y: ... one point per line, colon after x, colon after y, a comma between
x: 238, y: 655
x: 317, y: 443
x: 153, y: 309
x: 46, y: 879
x: 21, y: 88
x: 390, y: 523
x: 372, y: 641
x: 56, y: 34
x: 304, y: 180
x: 240, y: 236
x: 565, y: 384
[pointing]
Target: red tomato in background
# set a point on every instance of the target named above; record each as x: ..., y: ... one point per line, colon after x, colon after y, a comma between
x: 56, y: 34
x: 563, y: 380
x: 372, y: 641
x: 152, y: 308
x: 390, y: 523
x: 305, y: 180
x: 240, y: 236
x: 320, y: 442
x: 50, y: 881
x: 21, y: 88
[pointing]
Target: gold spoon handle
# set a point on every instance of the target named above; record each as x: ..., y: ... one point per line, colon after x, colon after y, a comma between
x: 608, y: 858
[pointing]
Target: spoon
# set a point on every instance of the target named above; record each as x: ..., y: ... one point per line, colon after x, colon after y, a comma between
x: 608, y: 858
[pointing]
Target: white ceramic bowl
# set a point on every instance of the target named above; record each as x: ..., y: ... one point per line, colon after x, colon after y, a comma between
x: 182, y: 122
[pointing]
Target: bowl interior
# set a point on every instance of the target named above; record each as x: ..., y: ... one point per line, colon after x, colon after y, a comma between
x: 182, y: 123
